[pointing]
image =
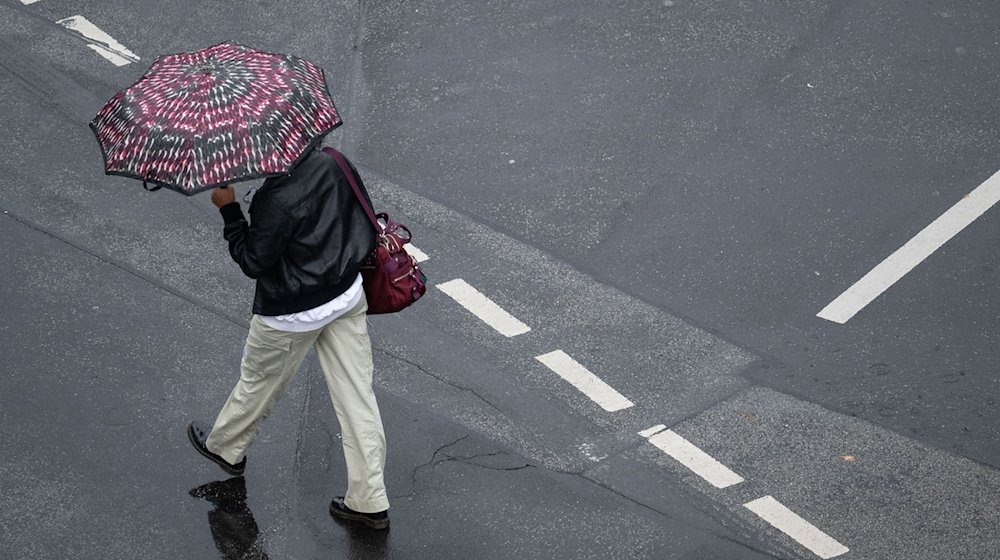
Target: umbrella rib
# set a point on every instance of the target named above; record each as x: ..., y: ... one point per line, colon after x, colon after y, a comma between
x: 161, y: 116
x: 260, y: 127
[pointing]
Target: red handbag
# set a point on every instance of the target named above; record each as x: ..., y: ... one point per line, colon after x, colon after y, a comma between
x: 392, y: 278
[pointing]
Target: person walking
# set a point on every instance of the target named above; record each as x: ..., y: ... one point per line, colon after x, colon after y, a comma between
x: 304, y: 245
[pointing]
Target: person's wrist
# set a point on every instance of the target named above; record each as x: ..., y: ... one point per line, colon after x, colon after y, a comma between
x: 231, y: 212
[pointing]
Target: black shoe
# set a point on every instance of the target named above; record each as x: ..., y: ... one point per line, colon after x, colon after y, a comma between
x: 379, y: 520
x: 198, y: 434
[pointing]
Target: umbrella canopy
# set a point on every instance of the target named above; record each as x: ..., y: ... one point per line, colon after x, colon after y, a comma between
x: 222, y: 114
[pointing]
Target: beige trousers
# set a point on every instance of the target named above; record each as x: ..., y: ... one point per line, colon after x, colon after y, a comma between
x: 270, y: 359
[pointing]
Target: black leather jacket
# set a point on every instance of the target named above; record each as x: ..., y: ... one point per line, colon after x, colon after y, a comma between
x: 306, y: 239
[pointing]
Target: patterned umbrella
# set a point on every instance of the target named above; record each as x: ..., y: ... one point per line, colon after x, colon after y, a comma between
x: 204, y: 119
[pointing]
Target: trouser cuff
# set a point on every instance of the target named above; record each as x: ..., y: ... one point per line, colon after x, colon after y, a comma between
x: 228, y: 455
x: 368, y: 506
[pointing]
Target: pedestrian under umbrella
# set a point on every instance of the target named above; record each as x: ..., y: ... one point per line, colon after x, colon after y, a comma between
x: 201, y: 120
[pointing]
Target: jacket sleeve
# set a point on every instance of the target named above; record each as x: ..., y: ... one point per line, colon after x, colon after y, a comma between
x: 256, y: 246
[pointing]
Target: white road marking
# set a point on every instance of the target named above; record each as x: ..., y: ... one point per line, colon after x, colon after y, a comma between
x: 104, y: 44
x: 789, y: 523
x: 110, y: 55
x: 654, y: 430
x: 26, y: 2
x: 417, y: 254
x: 588, y: 383
x: 689, y: 455
x: 889, y: 271
x: 483, y: 307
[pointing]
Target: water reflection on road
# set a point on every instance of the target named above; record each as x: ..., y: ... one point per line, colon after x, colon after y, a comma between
x: 237, y: 536
x: 234, y: 529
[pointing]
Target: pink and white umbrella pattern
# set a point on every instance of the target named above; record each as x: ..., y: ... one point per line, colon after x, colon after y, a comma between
x: 208, y: 118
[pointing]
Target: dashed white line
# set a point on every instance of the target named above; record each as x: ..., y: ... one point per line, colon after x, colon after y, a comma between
x: 104, y: 44
x: 897, y: 265
x: 689, y: 455
x: 588, y: 383
x: 483, y: 307
x: 789, y: 523
x: 417, y: 254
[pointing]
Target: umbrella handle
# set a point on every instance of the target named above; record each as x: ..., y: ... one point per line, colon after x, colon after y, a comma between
x: 150, y: 189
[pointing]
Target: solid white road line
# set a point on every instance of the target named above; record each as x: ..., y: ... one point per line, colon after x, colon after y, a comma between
x: 588, y: 383
x: 689, y: 455
x: 913, y: 252
x: 789, y: 523
x: 417, y: 254
x: 483, y: 307
x: 103, y: 44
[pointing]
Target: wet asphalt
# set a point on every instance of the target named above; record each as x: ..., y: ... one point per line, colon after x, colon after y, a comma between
x: 667, y: 191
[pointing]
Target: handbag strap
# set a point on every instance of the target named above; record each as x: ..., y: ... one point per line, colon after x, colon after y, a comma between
x: 346, y: 168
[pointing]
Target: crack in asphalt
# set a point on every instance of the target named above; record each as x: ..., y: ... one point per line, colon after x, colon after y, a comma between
x: 416, y: 470
x: 466, y: 459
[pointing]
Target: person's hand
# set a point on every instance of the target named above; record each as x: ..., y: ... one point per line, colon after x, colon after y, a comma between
x: 222, y: 196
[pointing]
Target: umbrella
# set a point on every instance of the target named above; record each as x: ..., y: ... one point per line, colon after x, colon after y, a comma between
x: 207, y: 118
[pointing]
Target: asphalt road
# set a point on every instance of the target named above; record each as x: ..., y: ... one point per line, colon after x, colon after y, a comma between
x: 740, y: 165
x: 666, y: 192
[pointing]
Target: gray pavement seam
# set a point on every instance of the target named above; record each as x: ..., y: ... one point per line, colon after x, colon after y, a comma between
x: 357, y: 103
x: 129, y: 270
x: 726, y: 538
x: 23, y: 9
x: 50, y: 85
x: 301, y: 428
x: 421, y: 369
